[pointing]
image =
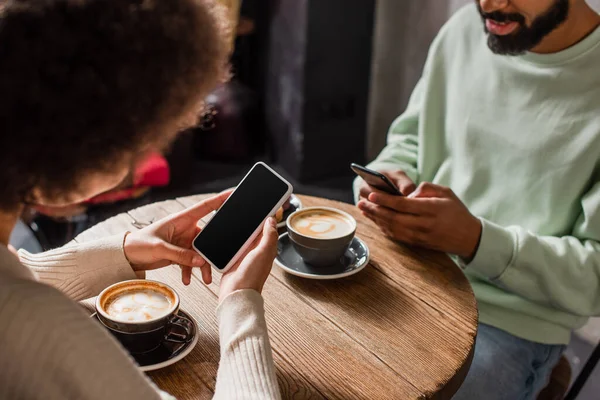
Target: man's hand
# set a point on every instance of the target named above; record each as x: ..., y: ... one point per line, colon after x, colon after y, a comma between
x: 431, y: 217
x: 398, y: 177
x: 169, y: 241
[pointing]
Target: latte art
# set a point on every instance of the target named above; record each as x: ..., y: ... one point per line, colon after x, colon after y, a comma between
x: 322, y: 224
x: 139, y: 305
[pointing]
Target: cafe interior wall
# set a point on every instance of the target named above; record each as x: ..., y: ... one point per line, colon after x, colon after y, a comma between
x: 403, y: 32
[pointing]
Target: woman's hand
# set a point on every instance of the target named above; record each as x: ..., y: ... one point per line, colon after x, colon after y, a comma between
x: 254, y: 267
x: 169, y: 241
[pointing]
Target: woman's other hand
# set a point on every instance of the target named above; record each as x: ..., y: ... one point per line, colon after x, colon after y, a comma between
x: 169, y: 241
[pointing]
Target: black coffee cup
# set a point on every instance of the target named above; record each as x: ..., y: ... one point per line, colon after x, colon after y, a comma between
x: 144, y: 336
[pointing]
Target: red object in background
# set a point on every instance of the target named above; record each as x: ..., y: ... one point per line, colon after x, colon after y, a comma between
x: 153, y: 171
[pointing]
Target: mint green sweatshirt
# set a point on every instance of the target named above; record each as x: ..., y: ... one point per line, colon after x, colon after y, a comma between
x: 518, y: 141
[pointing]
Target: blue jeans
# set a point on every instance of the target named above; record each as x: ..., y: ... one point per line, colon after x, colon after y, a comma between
x: 506, y: 367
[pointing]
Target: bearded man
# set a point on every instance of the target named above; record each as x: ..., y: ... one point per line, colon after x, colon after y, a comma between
x: 498, y: 158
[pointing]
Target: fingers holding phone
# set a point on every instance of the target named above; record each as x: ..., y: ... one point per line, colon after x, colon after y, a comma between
x: 254, y: 267
x: 168, y: 241
x: 402, y: 181
x: 232, y: 230
x: 392, y: 182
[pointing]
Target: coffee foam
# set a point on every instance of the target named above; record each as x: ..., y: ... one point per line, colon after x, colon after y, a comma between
x: 138, y: 305
x: 322, y: 224
x: 138, y: 302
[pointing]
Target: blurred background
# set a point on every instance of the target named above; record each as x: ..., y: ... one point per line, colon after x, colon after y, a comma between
x: 315, y: 87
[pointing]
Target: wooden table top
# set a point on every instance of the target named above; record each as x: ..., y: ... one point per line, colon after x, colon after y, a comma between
x: 403, y: 328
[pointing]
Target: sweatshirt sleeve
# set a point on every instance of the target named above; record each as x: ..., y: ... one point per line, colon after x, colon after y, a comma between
x: 82, y: 270
x: 402, y: 147
x: 402, y: 140
x: 246, y: 370
x: 562, y: 272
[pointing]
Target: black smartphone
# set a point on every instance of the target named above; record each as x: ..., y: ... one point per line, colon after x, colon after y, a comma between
x: 239, y: 220
x: 376, y: 179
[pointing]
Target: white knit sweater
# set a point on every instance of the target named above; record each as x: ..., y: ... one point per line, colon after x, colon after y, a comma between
x: 50, y: 349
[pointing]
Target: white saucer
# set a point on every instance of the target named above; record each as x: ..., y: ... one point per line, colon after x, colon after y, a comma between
x: 354, y: 260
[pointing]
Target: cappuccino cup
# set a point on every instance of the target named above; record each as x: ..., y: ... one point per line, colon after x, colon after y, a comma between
x: 142, y: 314
x: 321, y: 235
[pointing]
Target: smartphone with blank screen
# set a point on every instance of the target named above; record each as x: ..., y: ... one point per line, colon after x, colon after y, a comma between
x: 240, y: 219
x: 376, y: 179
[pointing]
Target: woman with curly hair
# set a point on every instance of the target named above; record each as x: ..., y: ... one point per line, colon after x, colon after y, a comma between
x: 87, y: 87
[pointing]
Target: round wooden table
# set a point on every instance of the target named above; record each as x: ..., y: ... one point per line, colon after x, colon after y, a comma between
x: 403, y: 328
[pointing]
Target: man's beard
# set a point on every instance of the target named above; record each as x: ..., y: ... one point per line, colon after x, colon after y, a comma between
x: 524, y: 38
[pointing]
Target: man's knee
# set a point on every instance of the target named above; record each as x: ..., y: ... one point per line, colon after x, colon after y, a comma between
x: 501, y: 367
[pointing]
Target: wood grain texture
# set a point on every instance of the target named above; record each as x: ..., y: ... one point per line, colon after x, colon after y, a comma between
x: 203, y: 302
x: 411, y: 300
x: 403, y: 328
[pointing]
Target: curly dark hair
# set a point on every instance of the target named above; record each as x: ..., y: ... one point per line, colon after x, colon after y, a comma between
x: 85, y: 84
